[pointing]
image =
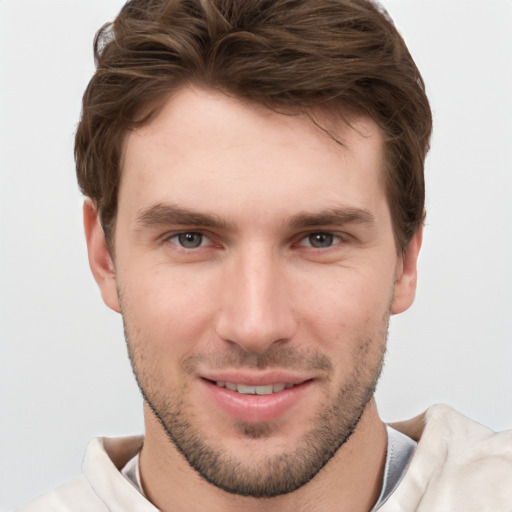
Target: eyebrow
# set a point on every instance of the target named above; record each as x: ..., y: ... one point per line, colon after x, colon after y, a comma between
x: 332, y: 216
x: 168, y: 214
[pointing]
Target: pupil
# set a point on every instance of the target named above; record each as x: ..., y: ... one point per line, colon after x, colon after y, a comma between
x: 190, y: 240
x: 321, y: 240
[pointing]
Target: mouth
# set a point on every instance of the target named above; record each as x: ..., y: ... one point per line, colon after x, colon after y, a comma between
x: 245, y: 389
x: 256, y: 399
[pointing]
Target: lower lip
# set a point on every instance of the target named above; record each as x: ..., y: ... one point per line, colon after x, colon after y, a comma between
x: 255, y: 408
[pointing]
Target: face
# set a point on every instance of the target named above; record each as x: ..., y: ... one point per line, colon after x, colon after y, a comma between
x: 255, y: 268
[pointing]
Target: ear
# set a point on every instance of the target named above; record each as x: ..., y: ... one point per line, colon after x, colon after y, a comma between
x: 100, y: 261
x: 407, y: 275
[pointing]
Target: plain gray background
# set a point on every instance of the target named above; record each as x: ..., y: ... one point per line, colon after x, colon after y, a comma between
x: 64, y: 373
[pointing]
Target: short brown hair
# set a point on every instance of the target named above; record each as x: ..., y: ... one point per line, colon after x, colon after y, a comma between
x: 299, y: 54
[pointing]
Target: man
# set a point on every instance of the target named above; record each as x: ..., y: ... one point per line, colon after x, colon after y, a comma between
x: 255, y: 200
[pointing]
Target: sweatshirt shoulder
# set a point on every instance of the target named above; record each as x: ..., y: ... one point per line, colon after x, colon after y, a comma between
x: 459, y: 464
x: 465, y: 439
x: 73, y: 496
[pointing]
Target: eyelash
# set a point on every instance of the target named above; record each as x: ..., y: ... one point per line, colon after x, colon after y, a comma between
x: 332, y: 239
x: 177, y: 236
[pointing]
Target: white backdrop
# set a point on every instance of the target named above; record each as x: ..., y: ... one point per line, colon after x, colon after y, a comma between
x: 64, y: 373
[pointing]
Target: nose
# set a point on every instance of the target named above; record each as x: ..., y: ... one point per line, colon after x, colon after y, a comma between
x: 255, y: 308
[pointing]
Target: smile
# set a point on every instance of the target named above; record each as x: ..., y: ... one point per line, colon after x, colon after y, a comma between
x: 256, y: 398
x: 245, y: 389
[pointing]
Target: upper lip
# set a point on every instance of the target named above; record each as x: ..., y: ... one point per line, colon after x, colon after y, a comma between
x: 255, y: 378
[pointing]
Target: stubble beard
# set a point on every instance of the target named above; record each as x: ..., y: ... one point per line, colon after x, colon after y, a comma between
x: 280, y: 473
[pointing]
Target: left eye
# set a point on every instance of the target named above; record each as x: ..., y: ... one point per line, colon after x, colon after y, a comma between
x: 320, y: 240
x: 189, y: 239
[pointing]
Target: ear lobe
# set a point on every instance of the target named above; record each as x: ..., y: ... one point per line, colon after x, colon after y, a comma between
x: 100, y: 261
x: 407, y: 275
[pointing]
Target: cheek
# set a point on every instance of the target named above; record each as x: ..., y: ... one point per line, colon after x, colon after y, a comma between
x: 349, y: 320
x: 167, y: 308
x: 346, y: 300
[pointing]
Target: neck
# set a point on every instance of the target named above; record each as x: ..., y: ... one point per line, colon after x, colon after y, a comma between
x: 350, y: 481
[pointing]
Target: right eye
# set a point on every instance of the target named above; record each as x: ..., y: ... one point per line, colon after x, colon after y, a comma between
x: 189, y: 239
x: 320, y: 240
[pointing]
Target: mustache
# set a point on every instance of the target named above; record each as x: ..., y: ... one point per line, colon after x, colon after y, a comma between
x: 274, y: 357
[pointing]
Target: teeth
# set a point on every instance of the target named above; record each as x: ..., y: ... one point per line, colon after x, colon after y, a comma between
x: 254, y: 390
x: 265, y: 390
x: 249, y: 390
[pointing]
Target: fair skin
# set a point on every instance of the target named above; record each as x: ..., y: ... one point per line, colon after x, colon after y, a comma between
x: 252, y: 249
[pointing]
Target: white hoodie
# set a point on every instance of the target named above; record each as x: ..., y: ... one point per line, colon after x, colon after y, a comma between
x: 458, y: 466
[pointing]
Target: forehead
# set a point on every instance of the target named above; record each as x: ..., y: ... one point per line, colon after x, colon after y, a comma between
x: 206, y: 147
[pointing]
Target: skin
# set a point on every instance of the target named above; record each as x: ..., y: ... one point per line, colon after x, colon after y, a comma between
x: 294, y: 277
